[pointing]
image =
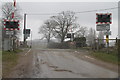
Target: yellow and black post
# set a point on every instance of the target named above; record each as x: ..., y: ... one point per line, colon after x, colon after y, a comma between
x: 107, y: 41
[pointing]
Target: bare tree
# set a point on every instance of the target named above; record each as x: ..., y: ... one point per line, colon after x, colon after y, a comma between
x: 101, y: 36
x: 81, y: 31
x: 7, y: 10
x: 91, y: 37
x: 62, y: 23
x: 46, y: 30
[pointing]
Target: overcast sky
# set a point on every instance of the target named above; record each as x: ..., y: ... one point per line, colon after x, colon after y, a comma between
x: 84, y: 19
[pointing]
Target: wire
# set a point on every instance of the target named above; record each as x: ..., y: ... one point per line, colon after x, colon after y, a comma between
x: 98, y: 10
x: 76, y: 12
x: 42, y: 14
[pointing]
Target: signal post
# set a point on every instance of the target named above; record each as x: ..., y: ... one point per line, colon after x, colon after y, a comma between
x: 103, y: 21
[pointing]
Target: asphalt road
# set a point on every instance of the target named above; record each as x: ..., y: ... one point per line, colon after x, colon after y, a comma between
x: 59, y: 63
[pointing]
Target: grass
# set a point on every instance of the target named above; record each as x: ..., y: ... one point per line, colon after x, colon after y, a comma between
x: 112, y: 57
x: 1, y: 55
x: 9, y: 60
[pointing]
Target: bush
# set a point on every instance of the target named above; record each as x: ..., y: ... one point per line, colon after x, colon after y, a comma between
x: 80, y: 42
x: 63, y: 45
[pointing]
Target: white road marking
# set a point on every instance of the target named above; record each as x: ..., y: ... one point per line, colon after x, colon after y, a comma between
x: 27, y: 52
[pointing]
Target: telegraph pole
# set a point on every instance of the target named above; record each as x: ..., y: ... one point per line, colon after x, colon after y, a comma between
x: 24, y: 30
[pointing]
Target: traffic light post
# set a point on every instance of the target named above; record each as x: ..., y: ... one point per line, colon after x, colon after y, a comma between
x: 24, y: 30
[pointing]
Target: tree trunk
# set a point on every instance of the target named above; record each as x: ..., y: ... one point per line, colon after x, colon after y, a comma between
x: 48, y: 39
x: 62, y: 38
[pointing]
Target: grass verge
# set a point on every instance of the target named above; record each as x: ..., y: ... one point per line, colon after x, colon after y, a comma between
x: 112, y: 57
x: 9, y: 60
x: 1, y: 55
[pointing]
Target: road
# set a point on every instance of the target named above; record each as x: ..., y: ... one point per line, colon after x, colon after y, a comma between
x: 59, y: 63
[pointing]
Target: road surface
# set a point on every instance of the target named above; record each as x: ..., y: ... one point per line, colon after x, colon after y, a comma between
x: 59, y: 63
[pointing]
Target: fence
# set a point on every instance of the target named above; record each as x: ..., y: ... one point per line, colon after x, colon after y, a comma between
x: 111, y: 45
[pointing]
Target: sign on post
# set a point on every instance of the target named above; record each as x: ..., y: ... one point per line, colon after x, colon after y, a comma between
x: 103, y: 18
x: 103, y: 21
x: 103, y: 27
x: 107, y: 33
x: 11, y: 24
x: 69, y: 35
x: 27, y: 35
x: 9, y: 32
x: 26, y: 31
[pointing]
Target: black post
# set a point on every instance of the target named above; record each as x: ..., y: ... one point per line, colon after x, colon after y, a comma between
x: 24, y: 30
x: 3, y: 35
x: 14, y: 40
x: 116, y: 41
x: 31, y: 39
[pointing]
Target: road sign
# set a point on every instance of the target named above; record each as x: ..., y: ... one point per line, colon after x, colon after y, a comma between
x: 107, y: 33
x: 27, y: 35
x: 102, y: 27
x: 11, y: 24
x: 26, y: 31
x: 9, y: 32
x: 69, y: 35
x: 103, y: 18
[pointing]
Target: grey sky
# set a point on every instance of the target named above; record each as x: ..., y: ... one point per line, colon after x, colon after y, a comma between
x: 84, y: 19
x: 62, y: 0
x: 119, y: 21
